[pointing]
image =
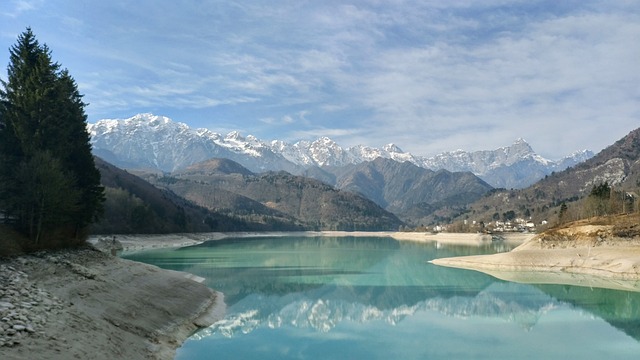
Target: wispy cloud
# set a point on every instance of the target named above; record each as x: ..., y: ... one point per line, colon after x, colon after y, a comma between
x: 542, y: 76
x: 16, y: 8
x: 428, y: 75
x: 337, y: 134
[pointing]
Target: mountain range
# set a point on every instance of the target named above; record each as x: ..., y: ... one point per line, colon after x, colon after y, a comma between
x: 409, y: 192
x: 618, y: 165
x: 134, y: 206
x: 338, y: 190
x: 147, y: 141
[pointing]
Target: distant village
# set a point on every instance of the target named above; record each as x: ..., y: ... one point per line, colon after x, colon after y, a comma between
x: 515, y: 225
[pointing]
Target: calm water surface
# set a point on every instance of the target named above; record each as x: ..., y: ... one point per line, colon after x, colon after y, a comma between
x: 377, y: 298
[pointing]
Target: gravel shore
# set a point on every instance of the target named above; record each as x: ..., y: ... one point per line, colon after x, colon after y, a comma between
x: 86, y: 304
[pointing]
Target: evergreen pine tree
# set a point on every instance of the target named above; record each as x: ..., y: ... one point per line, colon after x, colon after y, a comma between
x: 43, y: 136
x: 76, y: 152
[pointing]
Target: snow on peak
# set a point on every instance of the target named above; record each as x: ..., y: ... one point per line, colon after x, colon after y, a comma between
x: 325, y: 141
x: 158, y: 141
x: 392, y: 148
x: 149, y: 118
x: 234, y: 135
x: 521, y: 145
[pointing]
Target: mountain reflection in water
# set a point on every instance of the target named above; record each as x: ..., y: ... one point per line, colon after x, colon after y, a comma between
x: 334, y: 289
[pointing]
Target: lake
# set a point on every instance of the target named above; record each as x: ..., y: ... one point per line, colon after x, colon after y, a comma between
x: 378, y: 298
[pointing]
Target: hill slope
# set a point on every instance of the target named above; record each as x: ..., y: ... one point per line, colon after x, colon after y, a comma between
x: 277, y: 195
x: 618, y: 165
x: 135, y: 206
x: 411, y: 192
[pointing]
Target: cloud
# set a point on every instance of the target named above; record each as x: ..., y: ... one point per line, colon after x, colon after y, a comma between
x: 428, y: 75
x: 18, y: 7
x: 336, y: 134
x: 288, y: 119
x: 576, y: 69
x: 285, y: 120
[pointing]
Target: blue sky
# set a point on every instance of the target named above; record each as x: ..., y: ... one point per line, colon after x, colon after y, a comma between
x: 430, y: 76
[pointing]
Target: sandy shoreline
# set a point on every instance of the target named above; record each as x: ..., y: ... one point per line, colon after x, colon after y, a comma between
x: 96, y: 306
x: 582, y: 255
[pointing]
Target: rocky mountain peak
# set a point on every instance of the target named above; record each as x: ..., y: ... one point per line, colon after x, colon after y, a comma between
x: 158, y: 142
x: 519, y: 141
x: 519, y: 148
x: 234, y: 135
x: 324, y: 141
x: 392, y: 148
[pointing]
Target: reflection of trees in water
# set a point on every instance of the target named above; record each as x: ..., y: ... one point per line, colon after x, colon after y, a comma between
x: 619, y: 308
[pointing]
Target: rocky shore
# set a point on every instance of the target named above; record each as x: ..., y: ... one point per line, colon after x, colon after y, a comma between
x: 25, y: 309
x: 86, y: 304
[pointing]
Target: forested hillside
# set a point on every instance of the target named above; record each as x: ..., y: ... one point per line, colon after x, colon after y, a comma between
x: 276, y: 197
x: 135, y: 206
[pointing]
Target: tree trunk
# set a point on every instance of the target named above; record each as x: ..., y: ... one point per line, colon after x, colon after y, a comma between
x: 40, y: 216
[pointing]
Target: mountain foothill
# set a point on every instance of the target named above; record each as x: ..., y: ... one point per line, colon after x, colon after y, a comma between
x: 218, y: 182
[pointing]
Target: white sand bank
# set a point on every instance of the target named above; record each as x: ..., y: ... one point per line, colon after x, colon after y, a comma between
x: 577, y: 260
x: 133, y: 243
x: 468, y: 239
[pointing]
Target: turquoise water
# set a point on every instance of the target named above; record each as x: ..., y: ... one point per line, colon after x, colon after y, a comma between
x: 377, y: 298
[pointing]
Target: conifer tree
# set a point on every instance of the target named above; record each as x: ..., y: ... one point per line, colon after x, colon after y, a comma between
x: 44, y: 147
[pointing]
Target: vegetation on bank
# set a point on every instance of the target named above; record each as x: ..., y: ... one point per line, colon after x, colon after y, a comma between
x: 133, y: 206
x: 50, y: 189
x: 619, y: 227
x: 604, y: 203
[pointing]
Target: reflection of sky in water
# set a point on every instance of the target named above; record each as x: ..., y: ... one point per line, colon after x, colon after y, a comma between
x: 311, y: 298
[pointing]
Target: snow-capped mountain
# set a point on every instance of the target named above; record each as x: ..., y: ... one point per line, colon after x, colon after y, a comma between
x: 481, y: 162
x: 157, y: 142
x: 326, y: 152
x: 514, y: 166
